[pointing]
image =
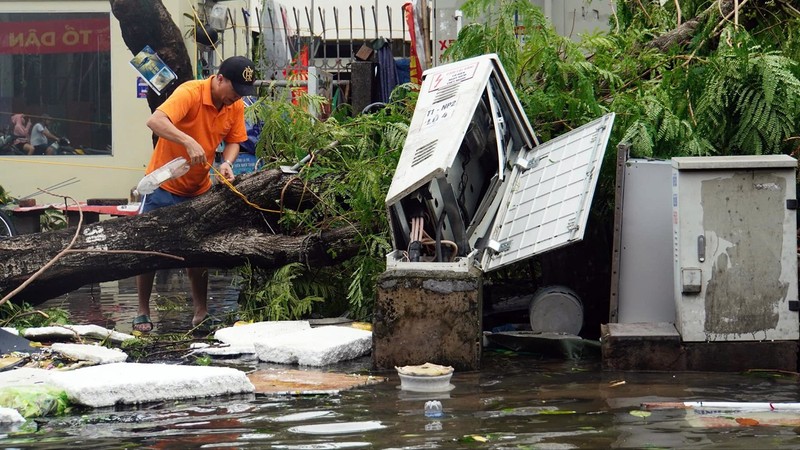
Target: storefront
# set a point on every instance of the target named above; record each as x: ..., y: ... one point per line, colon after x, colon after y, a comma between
x: 66, y: 62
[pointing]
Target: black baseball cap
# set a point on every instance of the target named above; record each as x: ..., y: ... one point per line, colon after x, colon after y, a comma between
x: 242, y: 72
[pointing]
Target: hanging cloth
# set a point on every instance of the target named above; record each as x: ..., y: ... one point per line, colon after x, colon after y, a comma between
x: 387, y: 73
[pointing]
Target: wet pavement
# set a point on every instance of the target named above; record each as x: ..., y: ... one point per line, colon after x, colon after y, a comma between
x: 515, y: 401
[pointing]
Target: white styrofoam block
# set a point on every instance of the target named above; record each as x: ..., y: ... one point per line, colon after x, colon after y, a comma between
x: 70, y: 331
x: 11, y: 330
x: 10, y: 415
x: 316, y: 346
x: 25, y: 376
x: 245, y: 335
x: 98, y: 332
x: 132, y: 383
x: 92, y: 353
x: 37, y: 333
x: 226, y: 350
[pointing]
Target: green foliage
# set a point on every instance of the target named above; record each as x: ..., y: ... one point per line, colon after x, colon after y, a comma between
x: 21, y: 316
x: 749, y: 104
x: 502, y: 26
x: 276, y: 295
x: 5, y: 196
x: 364, y: 270
x: 353, y: 175
x: 204, y: 360
x: 35, y: 401
x: 52, y: 219
x: 725, y: 90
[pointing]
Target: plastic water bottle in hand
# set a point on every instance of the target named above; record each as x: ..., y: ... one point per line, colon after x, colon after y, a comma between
x: 173, y: 169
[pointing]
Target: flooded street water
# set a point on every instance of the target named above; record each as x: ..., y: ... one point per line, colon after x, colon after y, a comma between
x: 114, y: 304
x: 514, y: 401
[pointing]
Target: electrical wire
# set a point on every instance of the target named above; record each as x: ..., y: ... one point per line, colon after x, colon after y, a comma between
x: 236, y: 191
x: 198, y: 22
x: 418, y: 234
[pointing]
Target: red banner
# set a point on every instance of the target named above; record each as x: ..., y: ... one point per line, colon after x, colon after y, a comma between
x: 56, y: 36
x: 415, y: 69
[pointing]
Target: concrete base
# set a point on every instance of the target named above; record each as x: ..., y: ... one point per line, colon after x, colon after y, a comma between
x: 658, y: 346
x: 428, y: 316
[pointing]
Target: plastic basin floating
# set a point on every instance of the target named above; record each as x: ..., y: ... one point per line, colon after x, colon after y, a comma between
x: 425, y: 378
x: 426, y: 383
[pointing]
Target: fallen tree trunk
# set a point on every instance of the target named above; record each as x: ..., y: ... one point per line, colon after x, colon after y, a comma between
x: 218, y: 229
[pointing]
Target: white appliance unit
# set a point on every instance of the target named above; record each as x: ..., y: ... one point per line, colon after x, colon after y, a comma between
x: 473, y: 187
x: 735, y: 248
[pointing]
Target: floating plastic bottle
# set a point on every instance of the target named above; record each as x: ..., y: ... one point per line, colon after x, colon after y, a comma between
x: 173, y: 169
x: 433, y: 408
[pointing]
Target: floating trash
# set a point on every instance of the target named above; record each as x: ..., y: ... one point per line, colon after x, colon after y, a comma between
x: 427, y: 377
x: 433, y: 408
x: 296, y: 417
x: 338, y: 427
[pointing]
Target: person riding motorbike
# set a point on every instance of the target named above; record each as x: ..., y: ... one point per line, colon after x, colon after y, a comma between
x: 43, y: 141
x: 21, y: 131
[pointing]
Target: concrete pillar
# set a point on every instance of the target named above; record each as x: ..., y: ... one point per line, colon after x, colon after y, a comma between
x: 428, y: 316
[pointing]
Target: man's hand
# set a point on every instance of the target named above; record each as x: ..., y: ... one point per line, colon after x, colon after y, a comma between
x: 163, y: 127
x: 226, y: 171
x: 196, y: 153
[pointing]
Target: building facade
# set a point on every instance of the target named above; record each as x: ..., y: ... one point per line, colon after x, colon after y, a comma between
x: 66, y: 61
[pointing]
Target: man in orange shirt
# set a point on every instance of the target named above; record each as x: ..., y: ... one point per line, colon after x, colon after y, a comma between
x: 191, y: 123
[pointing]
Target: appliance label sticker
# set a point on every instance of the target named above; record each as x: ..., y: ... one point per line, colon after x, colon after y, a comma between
x: 439, y: 112
x: 454, y: 76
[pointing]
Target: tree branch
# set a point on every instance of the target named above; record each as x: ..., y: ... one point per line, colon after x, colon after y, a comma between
x: 217, y: 229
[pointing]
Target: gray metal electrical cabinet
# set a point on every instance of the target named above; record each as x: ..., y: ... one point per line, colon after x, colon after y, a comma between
x: 735, y: 248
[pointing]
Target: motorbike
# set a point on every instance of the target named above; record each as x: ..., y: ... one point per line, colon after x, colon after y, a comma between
x: 7, y: 146
x: 65, y: 147
x: 62, y: 147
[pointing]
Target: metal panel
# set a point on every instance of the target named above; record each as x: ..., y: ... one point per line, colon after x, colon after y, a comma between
x: 548, y: 204
x: 735, y: 249
x: 447, y: 101
x: 645, y: 271
x: 747, y: 162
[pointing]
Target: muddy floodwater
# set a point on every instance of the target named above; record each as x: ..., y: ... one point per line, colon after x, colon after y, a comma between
x: 515, y: 401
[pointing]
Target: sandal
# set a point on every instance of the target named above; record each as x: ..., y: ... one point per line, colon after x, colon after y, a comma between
x: 142, y: 324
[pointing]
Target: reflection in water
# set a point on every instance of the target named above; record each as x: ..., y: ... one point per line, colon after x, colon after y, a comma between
x: 515, y: 401
x: 113, y: 304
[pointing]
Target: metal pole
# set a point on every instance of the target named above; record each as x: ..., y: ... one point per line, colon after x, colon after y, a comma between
x: 352, y: 53
x: 311, y: 50
x: 336, y: 23
x: 364, y: 24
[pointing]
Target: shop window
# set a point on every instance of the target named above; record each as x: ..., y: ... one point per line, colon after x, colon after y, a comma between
x: 56, y: 66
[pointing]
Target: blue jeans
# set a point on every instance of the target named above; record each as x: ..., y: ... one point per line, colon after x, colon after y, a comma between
x: 159, y: 199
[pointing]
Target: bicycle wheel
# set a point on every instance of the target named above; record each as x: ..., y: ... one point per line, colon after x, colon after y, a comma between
x: 6, y: 226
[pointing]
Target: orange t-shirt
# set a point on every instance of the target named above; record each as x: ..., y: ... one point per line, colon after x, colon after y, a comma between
x: 191, y: 110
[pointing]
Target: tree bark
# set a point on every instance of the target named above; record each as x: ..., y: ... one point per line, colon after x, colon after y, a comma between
x: 217, y: 229
x: 684, y: 33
